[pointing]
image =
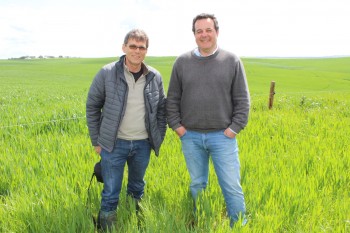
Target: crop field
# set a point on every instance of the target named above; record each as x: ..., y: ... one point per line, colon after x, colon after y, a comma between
x: 295, y: 157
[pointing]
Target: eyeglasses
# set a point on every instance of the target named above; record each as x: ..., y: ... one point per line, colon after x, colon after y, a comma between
x: 134, y: 47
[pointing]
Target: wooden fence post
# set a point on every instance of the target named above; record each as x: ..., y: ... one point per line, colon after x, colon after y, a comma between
x: 272, y: 93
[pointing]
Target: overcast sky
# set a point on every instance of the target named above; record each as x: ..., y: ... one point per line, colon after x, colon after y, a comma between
x: 249, y: 28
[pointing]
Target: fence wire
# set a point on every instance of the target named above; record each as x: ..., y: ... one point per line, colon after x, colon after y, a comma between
x: 83, y: 117
x: 41, y: 122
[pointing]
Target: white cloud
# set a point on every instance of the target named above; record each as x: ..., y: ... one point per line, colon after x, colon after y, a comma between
x: 248, y: 28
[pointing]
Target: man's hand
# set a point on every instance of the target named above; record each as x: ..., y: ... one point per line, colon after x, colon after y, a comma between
x: 180, y: 131
x: 98, y: 149
x: 229, y: 133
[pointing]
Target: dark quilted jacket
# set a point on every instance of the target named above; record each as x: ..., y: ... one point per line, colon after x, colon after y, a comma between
x: 109, y: 92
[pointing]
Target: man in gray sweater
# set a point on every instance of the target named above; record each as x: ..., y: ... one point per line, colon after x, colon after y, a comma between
x: 208, y: 104
x: 126, y: 117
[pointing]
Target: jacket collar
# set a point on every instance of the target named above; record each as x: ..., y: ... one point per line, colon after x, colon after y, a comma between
x: 121, y: 64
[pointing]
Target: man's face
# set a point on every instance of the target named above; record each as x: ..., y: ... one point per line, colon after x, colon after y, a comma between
x: 135, y: 52
x: 205, y: 35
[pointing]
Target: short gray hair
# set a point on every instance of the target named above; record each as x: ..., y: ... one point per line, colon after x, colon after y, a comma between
x: 138, y: 35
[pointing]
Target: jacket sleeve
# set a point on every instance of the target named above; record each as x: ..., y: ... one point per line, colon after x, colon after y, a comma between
x: 161, y: 113
x: 94, y: 106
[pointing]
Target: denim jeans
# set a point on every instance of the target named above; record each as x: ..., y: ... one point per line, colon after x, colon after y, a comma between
x: 136, y: 154
x: 197, y: 147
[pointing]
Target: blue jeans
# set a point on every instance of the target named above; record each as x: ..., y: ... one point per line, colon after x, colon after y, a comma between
x: 136, y: 154
x: 197, y: 147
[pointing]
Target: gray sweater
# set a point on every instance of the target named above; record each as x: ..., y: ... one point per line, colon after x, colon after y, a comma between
x: 208, y: 93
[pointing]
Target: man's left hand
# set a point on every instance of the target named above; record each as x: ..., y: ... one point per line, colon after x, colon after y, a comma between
x: 229, y: 133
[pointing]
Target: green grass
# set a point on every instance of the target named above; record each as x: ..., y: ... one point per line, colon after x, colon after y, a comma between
x: 295, y: 158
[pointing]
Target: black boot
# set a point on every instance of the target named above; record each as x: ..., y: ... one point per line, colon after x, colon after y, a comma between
x: 106, y: 221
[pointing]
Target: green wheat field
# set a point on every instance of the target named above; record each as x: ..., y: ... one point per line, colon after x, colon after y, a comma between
x: 295, y: 157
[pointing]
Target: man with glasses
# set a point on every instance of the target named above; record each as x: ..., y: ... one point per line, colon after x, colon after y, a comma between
x: 207, y: 105
x: 125, y: 112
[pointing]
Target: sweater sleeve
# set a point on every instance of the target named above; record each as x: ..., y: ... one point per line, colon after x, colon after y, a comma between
x: 174, y: 98
x: 240, y: 99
